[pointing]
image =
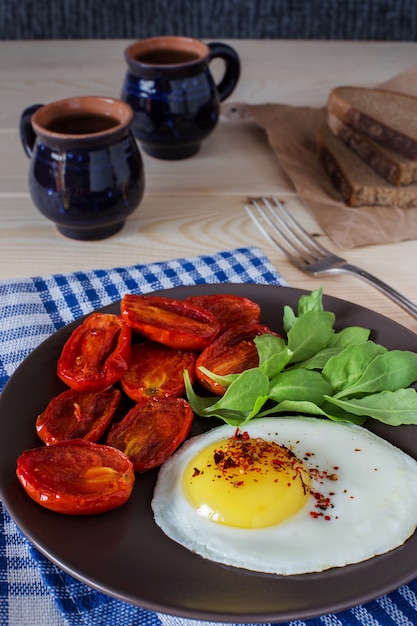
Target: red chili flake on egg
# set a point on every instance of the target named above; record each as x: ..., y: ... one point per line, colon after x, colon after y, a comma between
x: 241, y: 435
x: 243, y: 454
x: 323, y: 502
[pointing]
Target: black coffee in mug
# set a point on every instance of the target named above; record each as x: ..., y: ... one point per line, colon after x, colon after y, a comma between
x: 81, y: 124
x: 167, y: 57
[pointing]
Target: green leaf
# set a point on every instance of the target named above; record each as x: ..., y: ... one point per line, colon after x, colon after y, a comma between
x: 310, y: 334
x: 389, y: 371
x: 289, y: 318
x: 238, y: 418
x: 198, y: 404
x: 294, y: 406
x: 319, y: 360
x: 243, y: 399
x: 337, y: 414
x: 273, y: 353
x: 345, y: 369
x: 308, y: 302
x: 224, y: 381
x: 312, y: 301
x: 326, y: 410
x: 390, y: 407
x: 349, y: 336
x: 299, y: 385
x: 268, y: 345
x: 344, y: 338
x: 244, y: 391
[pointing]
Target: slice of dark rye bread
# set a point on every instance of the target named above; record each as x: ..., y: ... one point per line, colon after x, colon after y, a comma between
x: 395, y: 168
x: 387, y: 117
x: 357, y: 183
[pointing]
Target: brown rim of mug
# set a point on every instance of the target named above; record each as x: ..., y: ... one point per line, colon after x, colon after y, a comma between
x: 156, y: 44
x: 100, y: 105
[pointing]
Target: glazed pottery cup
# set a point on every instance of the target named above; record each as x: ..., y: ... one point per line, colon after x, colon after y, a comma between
x: 86, y: 171
x: 175, y: 99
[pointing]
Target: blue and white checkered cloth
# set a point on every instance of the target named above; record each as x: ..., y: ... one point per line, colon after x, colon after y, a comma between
x: 35, y: 592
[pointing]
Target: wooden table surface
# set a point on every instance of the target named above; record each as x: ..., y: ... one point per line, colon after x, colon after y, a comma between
x: 194, y: 206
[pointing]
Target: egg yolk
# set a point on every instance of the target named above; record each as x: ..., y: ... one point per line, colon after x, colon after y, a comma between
x: 246, y: 483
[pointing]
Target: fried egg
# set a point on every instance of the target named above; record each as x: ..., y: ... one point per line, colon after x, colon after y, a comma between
x: 287, y: 495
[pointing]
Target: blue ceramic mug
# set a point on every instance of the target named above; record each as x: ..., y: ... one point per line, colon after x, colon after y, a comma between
x: 86, y: 171
x: 175, y: 99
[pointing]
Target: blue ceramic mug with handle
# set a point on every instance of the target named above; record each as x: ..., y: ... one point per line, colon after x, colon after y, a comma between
x: 175, y: 99
x: 86, y: 172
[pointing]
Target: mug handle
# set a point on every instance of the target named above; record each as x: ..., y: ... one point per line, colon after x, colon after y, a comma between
x: 27, y: 134
x: 232, y: 67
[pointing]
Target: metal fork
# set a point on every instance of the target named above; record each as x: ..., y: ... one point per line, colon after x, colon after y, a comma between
x: 307, y: 254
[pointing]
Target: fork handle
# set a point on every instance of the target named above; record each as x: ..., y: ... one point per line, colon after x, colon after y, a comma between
x: 392, y: 293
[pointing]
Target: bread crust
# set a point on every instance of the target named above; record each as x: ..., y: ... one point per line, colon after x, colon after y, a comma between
x: 383, y: 133
x: 357, y: 183
x: 395, y: 168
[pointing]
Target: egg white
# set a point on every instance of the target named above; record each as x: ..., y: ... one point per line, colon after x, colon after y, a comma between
x: 373, y: 507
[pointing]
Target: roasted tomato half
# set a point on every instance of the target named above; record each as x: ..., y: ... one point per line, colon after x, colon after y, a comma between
x: 97, y: 353
x: 78, y: 415
x: 175, y: 323
x: 231, y: 353
x: 152, y: 431
x: 230, y: 310
x: 156, y: 370
x: 76, y: 477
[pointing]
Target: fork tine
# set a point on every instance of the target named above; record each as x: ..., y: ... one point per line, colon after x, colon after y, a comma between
x: 293, y: 239
x: 266, y: 232
x: 280, y: 220
x: 296, y: 230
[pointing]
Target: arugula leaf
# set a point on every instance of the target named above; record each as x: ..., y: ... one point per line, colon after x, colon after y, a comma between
x: 319, y: 360
x: 199, y: 404
x: 344, y: 338
x: 299, y: 385
x: 273, y: 353
x: 223, y: 380
x: 304, y: 407
x: 289, y: 318
x: 339, y: 414
x: 345, y: 369
x: 309, y: 334
x: 326, y: 410
x: 243, y: 399
x: 312, y: 301
x: 388, y: 371
x: 308, y: 302
x: 349, y: 336
x: 390, y: 407
x: 235, y: 417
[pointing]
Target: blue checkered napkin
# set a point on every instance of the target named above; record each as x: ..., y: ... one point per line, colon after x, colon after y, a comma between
x: 33, y: 591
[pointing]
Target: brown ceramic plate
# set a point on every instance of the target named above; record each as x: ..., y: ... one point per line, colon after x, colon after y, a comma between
x: 124, y: 554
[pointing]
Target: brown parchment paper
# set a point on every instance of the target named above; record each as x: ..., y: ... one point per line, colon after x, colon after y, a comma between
x: 291, y: 132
